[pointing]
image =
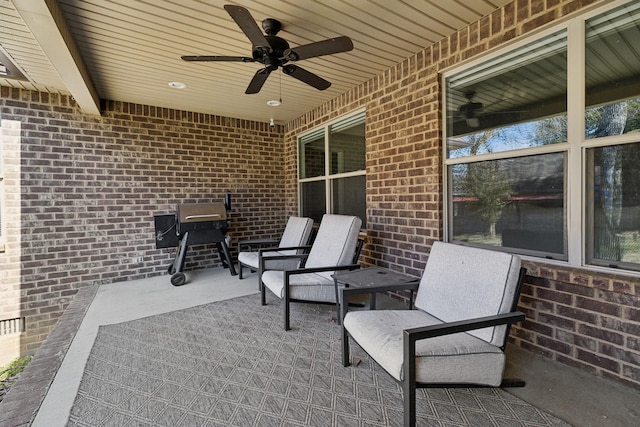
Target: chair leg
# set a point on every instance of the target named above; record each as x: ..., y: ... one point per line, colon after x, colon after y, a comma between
x: 345, y: 336
x: 409, y: 382
x: 409, y: 403
x: 287, y: 325
x: 512, y: 382
x: 287, y: 321
x: 335, y: 284
x: 261, y: 285
x: 240, y: 271
x: 345, y: 347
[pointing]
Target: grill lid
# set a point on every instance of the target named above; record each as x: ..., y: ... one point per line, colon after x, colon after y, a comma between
x: 199, y: 212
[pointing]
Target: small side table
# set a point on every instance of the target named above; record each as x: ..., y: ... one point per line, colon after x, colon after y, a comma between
x: 378, y: 277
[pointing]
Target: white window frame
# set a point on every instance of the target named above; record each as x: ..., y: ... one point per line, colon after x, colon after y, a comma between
x: 576, y: 146
x: 328, y: 177
x: 3, y: 210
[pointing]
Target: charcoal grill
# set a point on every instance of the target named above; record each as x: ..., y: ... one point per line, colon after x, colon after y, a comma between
x: 194, y: 224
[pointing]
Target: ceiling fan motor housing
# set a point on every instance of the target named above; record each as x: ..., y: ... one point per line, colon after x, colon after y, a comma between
x: 276, y: 56
x: 271, y: 26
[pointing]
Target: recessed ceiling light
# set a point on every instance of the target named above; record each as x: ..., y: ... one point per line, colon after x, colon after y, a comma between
x: 274, y: 102
x: 177, y: 85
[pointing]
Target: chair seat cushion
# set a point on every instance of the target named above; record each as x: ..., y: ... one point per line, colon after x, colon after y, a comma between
x: 251, y: 259
x: 458, y: 358
x: 307, y: 286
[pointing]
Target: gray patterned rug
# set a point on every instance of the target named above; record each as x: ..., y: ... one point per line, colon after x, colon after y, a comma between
x: 230, y: 363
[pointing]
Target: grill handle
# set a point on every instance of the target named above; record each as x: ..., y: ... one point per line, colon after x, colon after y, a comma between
x: 188, y: 217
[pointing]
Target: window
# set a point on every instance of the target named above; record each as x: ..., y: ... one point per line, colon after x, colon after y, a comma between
x: 544, y: 165
x: 612, y: 99
x: 2, y: 209
x: 9, y: 179
x: 612, y: 71
x: 331, y: 169
x: 614, y: 200
x: 506, y: 158
x: 518, y: 203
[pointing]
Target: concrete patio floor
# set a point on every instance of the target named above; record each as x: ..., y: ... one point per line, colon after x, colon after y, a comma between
x: 578, y: 398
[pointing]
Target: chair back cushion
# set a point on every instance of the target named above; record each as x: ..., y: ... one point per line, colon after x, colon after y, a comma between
x: 297, y: 232
x: 462, y: 282
x: 335, y: 243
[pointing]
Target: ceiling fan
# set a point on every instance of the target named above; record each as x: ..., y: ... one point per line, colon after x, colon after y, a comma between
x: 469, y: 110
x: 273, y: 51
x: 472, y: 111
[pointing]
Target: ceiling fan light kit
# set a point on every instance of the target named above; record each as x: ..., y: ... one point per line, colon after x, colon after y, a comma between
x: 274, y: 52
x: 473, y: 122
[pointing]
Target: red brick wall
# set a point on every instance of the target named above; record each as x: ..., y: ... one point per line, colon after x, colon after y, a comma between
x: 587, y: 320
x: 577, y: 317
x: 89, y: 188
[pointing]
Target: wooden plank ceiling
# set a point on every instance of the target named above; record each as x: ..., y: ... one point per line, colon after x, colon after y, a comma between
x: 129, y: 50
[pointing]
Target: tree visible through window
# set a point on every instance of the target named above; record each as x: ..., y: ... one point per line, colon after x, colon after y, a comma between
x: 613, y: 110
x: 515, y: 177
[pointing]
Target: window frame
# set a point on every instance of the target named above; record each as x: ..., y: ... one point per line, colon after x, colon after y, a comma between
x: 329, y: 178
x: 576, y: 145
x: 3, y: 215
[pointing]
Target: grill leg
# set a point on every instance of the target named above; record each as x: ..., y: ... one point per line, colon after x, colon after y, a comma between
x: 225, y: 256
x: 177, y: 277
x: 178, y: 262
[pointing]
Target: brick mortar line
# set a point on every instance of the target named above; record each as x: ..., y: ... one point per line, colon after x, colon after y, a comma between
x: 22, y: 402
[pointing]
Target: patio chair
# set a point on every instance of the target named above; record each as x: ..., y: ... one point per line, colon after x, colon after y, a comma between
x: 295, y: 236
x: 336, y: 247
x: 455, y: 336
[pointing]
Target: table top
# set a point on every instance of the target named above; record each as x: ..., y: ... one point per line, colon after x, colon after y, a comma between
x: 374, y: 276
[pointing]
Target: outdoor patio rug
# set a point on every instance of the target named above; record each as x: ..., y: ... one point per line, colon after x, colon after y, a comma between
x: 230, y: 363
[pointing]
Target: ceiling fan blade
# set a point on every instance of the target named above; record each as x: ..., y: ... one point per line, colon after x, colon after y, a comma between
x: 258, y: 81
x: 306, y: 76
x: 196, y: 58
x: 324, y: 47
x: 248, y: 25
